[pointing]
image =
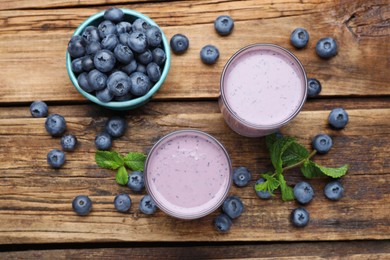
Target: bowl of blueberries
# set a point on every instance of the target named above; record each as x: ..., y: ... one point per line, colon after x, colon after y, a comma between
x: 118, y: 58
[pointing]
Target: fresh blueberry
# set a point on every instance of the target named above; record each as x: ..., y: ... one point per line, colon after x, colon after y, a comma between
x: 140, y: 25
x: 123, y: 27
x: 97, y: 80
x: 56, y: 158
x: 118, y: 83
x: 153, y: 71
x: 82, y: 205
x: 123, y: 54
x: 326, y: 48
x: 138, y: 42
x: 55, y: 125
x: 322, y: 143
x: 130, y: 68
x: 126, y: 97
x: 39, y: 109
x: 224, y: 25
x: 222, y: 223
x: 146, y: 57
x: 105, y: 28
x: 159, y: 56
x: 91, y: 34
x: 103, y: 141
x: 147, y: 205
x: 110, y: 41
x: 104, y: 95
x: 140, y: 84
x: 303, y: 192
x: 82, y: 80
x: 122, y: 202
x: 241, y: 176
x: 76, y: 46
x: 334, y: 190
x: 68, y: 142
x: 104, y: 60
x: 77, y: 66
x: 299, y: 38
x: 233, y: 207
x: 262, y: 194
x: 114, y: 14
x: 313, y: 87
x: 154, y: 36
x: 179, y: 43
x: 141, y: 68
x: 300, y: 217
x: 116, y: 126
x: 209, y: 54
x: 124, y: 38
x: 87, y: 63
x: 338, y: 118
x: 136, y: 181
x: 93, y: 47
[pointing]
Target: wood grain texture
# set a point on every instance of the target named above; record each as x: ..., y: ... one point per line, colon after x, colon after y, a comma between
x: 35, y: 201
x: 33, y: 44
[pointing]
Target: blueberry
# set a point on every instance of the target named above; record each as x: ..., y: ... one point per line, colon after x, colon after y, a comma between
x: 159, y: 56
x: 76, y: 46
x: 56, y: 158
x: 68, y: 142
x: 224, y: 25
x: 140, y: 84
x: 179, y: 43
x: 300, y: 217
x: 209, y: 54
x: 110, y: 41
x: 126, y: 97
x: 140, y: 25
x: 130, y: 68
x: 123, y: 54
x: 97, y: 80
x: 299, y: 38
x: 326, y: 48
x: 334, y: 190
x: 122, y: 202
x: 233, y: 207
x: 55, y: 125
x: 104, y: 95
x: 82, y: 205
x: 141, y: 68
x: 91, y: 34
x: 303, y: 192
x: 77, y: 66
x: 104, y: 60
x: 147, y: 205
x: 116, y: 126
x: 123, y: 27
x: 118, y: 83
x: 322, y: 143
x: 138, y: 42
x: 103, y: 141
x: 93, y: 47
x: 87, y: 63
x: 82, y: 80
x: 114, y: 14
x: 136, y: 181
x: 39, y: 109
x: 124, y: 38
x: 105, y: 28
x: 153, y: 36
x: 241, y: 176
x: 145, y: 58
x: 153, y: 71
x: 262, y: 194
x: 222, y: 223
x: 313, y: 87
x: 338, y: 118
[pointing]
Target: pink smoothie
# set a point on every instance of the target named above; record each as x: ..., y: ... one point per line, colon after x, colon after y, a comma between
x: 188, y: 174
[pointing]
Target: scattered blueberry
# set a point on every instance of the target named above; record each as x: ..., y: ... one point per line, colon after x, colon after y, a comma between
x: 82, y: 80
x: 93, y: 47
x: 91, y: 34
x: 130, y: 68
x: 145, y: 58
x: 153, y: 36
x: 140, y: 84
x: 136, y: 181
x: 140, y: 25
x: 55, y: 125
x: 69, y: 142
x: 262, y: 194
x: 109, y: 42
x: 147, y: 205
x: 233, y: 207
x: 96, y: 80
x: 106, y: 27
x: 179, y: 43
x: 123, y: 27
x: 87, y: 63
x: 123, y: 54
x: 77, y: 66
x: 82, y: 205
x: 118, y: 83
x: 300, y: 217
x: 222, y: 223
x: 114, y: 14
x: 241, y: 176
x: 103, y: 141
x: 122, y: 202
x: 322, y: 143
x: 224, y: 25
x: 39, y: 109
x: 334, y: 190
x: 153, y: 71
x: 209, y: 54
x: 104, y: 60
x: 303, y: 192
x: 159, y: 56
x: 104, y: 95
x: 313, y: 87
x: 138, y: 42
x: 76, y: 46
x: 299, y: 38
x: 338, y: 118
x: 141, y: 68
x: 116, y: 126
x: 56, y: 158
x: 326, y: 48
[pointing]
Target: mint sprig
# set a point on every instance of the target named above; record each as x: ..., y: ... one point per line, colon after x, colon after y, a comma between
x: 114, y: 161
x: 286, y: 153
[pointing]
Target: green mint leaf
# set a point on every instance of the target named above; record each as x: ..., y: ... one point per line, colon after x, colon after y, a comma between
x: 310, y: 170
x: 276, y: 151
x: 270, y: 184
x: 121, y: 176
x: 333, y: 172
x: 294, y: 153
x: 108, y: 160
x: 135, y: 161
x: 270, y: 140
x: 287, y: 191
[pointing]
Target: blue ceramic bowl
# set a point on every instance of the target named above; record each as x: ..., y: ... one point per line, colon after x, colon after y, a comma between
x: 130, y: 16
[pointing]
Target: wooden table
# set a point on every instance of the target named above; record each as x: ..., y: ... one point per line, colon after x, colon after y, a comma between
x: 36, y: 218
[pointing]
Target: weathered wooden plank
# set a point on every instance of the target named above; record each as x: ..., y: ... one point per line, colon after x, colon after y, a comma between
x: 35, y: 201
x: 33, y: 42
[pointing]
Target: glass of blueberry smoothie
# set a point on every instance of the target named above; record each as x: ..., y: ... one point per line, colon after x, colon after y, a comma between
x: 263, y: 87
x: 188, y: 174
